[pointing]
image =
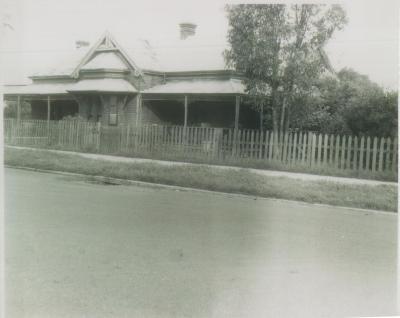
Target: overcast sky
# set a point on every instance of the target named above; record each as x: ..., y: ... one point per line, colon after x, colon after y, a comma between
x: 369, y: 43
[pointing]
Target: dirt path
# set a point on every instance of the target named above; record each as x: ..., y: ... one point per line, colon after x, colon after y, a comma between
x: 271, y: 173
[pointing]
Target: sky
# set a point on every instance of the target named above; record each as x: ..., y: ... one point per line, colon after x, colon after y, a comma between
x: 42, y: 29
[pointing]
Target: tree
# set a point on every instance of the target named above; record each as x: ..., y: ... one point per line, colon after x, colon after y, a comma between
x: 279, y: 50
x: 365, y: 107
x: 348, y: 104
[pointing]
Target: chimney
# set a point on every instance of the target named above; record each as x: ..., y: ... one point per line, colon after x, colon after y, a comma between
x: 80, y: 43
x: 187, y: 29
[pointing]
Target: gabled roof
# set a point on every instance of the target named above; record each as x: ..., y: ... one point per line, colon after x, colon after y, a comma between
x: 195, y: 53
x: 106, y: 44
x: 57, y: 63
x: 192, y: 54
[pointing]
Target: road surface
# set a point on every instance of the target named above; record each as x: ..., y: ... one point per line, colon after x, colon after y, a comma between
x: 79, y: 249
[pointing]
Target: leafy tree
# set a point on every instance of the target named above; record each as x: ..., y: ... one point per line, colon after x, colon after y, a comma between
x: 366, y: 108
x: 279, y: 50
x: 348, y: 104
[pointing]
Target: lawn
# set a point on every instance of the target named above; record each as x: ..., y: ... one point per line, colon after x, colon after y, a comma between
x: 379, y: 197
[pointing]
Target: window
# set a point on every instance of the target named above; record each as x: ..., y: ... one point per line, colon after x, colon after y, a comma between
x: 112, y: 120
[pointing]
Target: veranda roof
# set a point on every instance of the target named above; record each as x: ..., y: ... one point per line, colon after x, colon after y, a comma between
x: 199, y: 86
x: 119, y: 85
x: 37, y: 89
x: 112, y: 85
x: 116, y: 85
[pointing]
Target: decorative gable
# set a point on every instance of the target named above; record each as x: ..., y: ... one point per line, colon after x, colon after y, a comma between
x: 106, y: 44
x: 107, y: 54
x: 106, y: 61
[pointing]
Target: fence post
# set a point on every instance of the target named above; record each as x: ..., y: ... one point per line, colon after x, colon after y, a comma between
x: 304, y: 146
x: 394, y: 157
x: 381, y: 150
x: 247, y: 143
x: 374, y: 153
x: 325, y: 150
x: 285, y: 145
x: 77, y: 141
x: 261, y: 144
x: 266, y: 144
x: 293, y: 159
x: 128, y: 129
x: 271, y: 145
x: 217, y: 136
x: 355, y: 153
x: 12, y: 133
x: 343, y: 153
x: 234, y: 140
x: 368, y: 154
x: 290, y: 147
x: 309, y: 148
x: 361, y: 164
x: 331, y: 149
x: 251, y: 144
x: 276, y: 153
x: 388, y: 151
x: 313, y: 148
x: 337, y: 150
x: 281, y: 143
x: 319, y: 150
x: 98, y: 141
x: 348, y: 152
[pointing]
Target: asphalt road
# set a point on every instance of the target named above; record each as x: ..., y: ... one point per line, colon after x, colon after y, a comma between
x: 78, y: 249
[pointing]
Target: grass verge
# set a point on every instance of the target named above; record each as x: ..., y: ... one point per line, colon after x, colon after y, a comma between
x: 177, y: 156
x: 378, y: 197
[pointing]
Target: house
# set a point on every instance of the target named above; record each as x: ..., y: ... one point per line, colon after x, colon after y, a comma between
x: 184, y: 84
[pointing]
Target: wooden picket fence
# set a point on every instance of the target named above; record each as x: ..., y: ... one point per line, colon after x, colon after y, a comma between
x: 176, y: 142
